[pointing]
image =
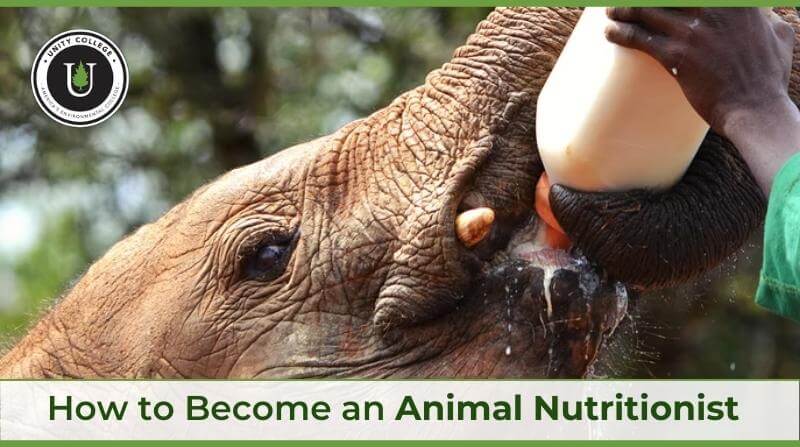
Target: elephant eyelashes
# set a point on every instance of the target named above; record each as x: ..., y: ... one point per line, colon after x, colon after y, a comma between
x: 269, y: 259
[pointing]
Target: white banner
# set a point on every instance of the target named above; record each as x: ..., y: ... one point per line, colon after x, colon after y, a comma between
x: 400, y: 410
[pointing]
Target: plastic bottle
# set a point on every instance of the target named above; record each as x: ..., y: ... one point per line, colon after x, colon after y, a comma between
x: 611, y: 118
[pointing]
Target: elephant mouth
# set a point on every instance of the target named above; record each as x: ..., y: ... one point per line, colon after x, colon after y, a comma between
x: 528, y: 311
x: 507, y: 305
x: 570, y: 304
x: 515, y: 307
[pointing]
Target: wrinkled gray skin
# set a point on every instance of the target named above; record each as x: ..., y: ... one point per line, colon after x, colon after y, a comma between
x: 376, y: 283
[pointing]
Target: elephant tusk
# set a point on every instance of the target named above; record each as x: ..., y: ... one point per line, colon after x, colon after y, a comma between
x: 472, y: 226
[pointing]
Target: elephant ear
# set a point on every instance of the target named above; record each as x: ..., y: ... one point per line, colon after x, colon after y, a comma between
x: 658, y: 239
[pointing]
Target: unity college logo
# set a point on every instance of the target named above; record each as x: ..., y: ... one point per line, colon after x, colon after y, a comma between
x: 79, y: 78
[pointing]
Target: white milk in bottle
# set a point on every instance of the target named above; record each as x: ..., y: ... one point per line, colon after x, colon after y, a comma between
x: 611, y: 118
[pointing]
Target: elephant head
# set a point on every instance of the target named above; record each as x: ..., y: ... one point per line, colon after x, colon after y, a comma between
x: 339, y: 257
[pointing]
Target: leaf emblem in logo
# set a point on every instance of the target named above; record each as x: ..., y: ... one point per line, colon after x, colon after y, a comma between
x: 80, y: 79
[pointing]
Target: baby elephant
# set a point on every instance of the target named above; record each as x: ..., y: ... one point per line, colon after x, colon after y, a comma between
x: 403, y: 245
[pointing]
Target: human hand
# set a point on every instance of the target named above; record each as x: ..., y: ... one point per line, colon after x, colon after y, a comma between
x: 728, y: 61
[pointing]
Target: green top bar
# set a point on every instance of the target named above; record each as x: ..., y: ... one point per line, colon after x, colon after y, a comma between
x: 400, y: 443
x: 371, y: 3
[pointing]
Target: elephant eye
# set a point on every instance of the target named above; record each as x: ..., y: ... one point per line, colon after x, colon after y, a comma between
x: 269, y: 259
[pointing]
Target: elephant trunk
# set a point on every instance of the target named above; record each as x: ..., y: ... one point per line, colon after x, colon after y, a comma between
x: 644, y: 238
x: 659, y: 239
x: 651, y: 239
x: 509, y: 55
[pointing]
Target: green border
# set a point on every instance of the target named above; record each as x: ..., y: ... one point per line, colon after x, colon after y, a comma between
x: 389, y: 3
x: 377, y: 3
x: 402, y: 443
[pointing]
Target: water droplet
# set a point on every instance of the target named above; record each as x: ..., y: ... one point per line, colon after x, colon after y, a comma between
x: 548, y: 278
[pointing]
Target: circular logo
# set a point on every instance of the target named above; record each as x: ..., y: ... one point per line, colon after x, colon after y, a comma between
x: 79, y: 78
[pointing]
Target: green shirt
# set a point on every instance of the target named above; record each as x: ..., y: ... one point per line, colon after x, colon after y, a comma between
x: 779, y: 285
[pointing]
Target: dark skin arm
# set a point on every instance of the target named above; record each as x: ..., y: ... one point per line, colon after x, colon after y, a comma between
x: 733, y: 65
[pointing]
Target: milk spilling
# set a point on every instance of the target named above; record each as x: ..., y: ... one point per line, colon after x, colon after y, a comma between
x: 610, y: 118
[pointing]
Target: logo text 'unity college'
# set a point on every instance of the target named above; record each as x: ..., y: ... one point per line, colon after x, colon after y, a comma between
x: 79, y: 78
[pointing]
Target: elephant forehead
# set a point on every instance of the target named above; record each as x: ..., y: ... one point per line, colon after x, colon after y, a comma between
x: 404, y: 154
x: 270, y: 186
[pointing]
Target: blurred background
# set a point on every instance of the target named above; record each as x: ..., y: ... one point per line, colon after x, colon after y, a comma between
x: 212, y: 89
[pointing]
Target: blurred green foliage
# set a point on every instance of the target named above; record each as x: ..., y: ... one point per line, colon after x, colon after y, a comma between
x: 212, y: 89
